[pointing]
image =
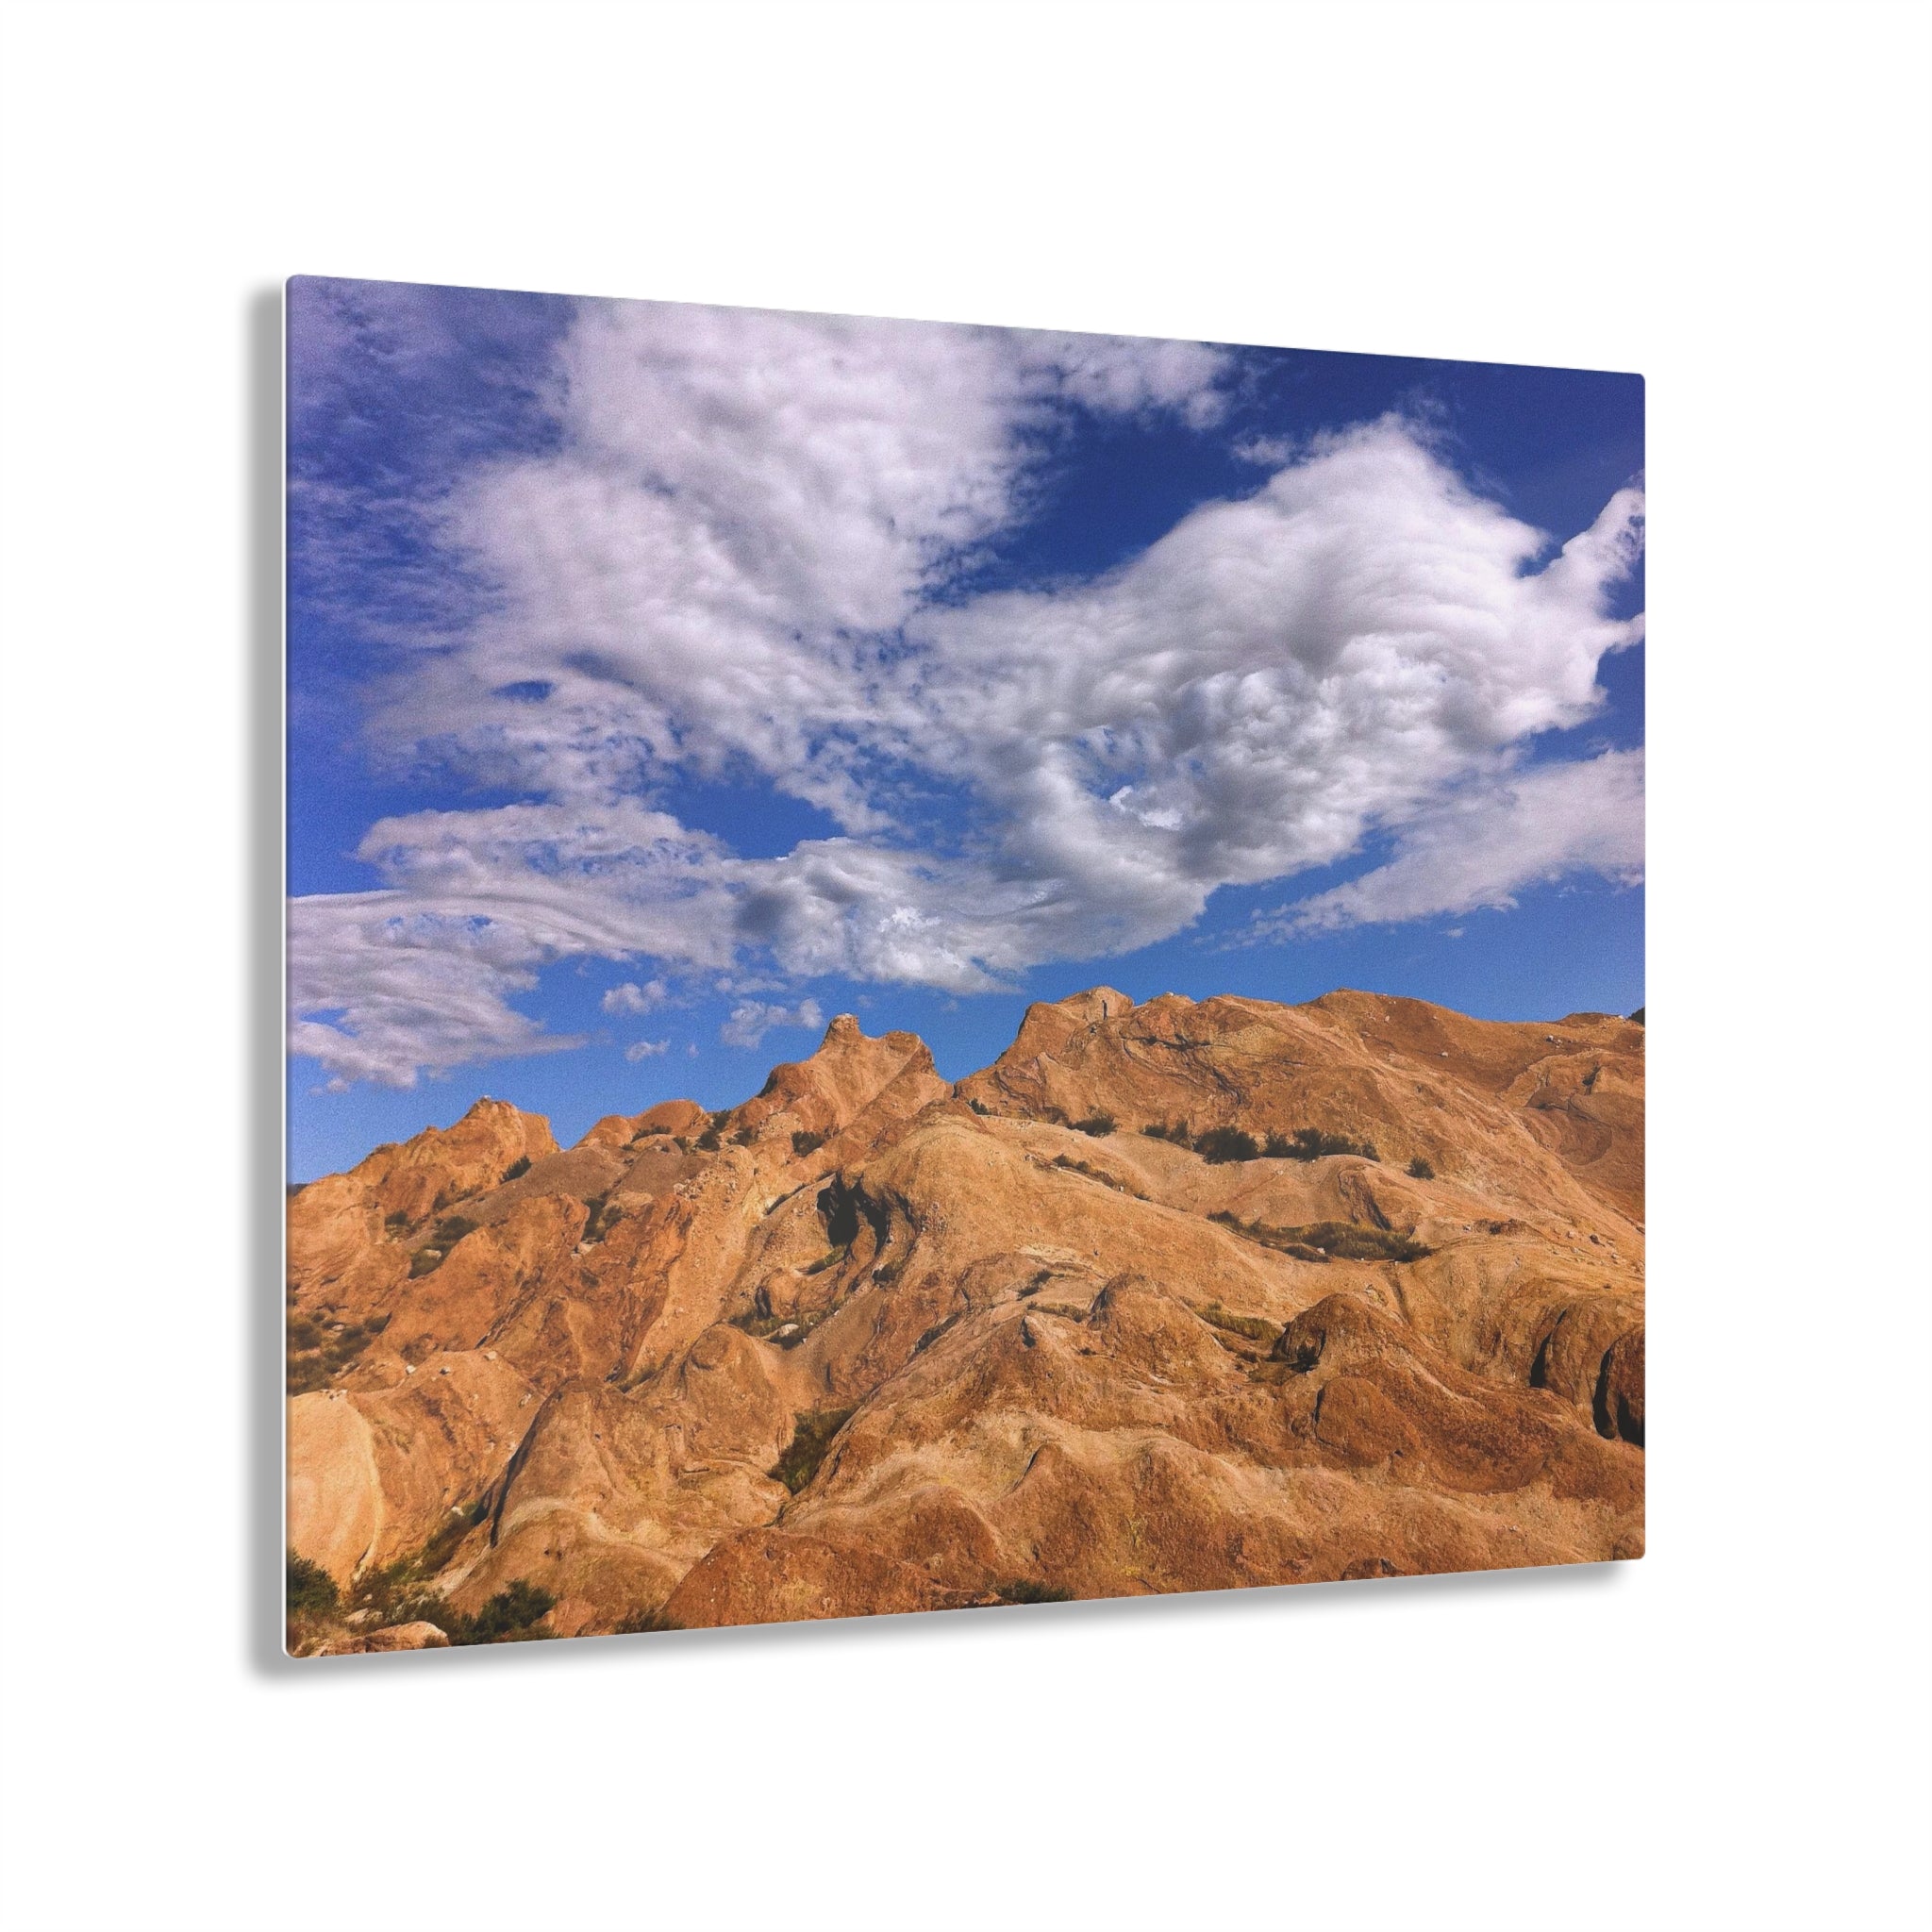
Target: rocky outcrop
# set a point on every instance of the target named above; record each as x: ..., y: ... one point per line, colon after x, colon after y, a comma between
x: 1368, y: 1300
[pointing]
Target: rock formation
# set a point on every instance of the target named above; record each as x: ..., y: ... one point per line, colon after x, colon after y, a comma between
x: 1173, y: 1296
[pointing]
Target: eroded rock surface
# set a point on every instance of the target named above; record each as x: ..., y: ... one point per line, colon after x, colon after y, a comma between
x: 1369, y: 1301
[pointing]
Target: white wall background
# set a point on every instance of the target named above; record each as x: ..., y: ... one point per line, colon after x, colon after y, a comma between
x: 1731, y: 199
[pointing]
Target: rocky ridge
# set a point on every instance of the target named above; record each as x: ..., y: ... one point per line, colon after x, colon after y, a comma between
x: 1173, y: 1296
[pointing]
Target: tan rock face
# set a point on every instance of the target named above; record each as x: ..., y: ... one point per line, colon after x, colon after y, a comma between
x: 866, y: 1343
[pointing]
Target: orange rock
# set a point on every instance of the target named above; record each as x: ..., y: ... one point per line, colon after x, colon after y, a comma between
x: 866, y: 1342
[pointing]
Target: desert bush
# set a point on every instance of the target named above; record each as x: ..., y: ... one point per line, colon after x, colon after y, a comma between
x: 829, y: 1259
x: 1326, y: 1241
x: 442, y: 1237
x: 1092, y: 1173
x: 1419, y: 1169
x: 1311, y: 1143
x: 1025, y: 1589
x: 601, y: 1217
x: 1252, y: 1326
x: 803, y: 1142
x: 745, y: 1137
x: 640, y: 1622
x: 1098, y: 1124
x: 1176, y: 1133
x: 510, y: 1615
x: 311, y: 1590
x: 1219, y: 1146
x: 708, y: 1140
x: 517, y: 1169
x: 316, y: 1356
x: 938, y: 1328
x: 811, y: 1440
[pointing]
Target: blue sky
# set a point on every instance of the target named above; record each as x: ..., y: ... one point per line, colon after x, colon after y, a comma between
x: 664, y: 681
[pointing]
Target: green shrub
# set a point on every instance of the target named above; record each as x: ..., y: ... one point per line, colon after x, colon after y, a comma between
x: 1175, y: 1132
x: 1419, y: 1169
x: 311, y: 1590
x: 517, y: 1169
x: 1098, y: 1124
x: 980, y: 1106
x: 1026, y: 1590
x: 708, y: 1142
x: 442, y: 1237
x: 316, y: 1356
x: 829, y: 1259
x: 745, y: 1137
x: 1323, y: 1240
x: 803, y: 1142
x: 810, y: 1441
x: 508, y: 1616
x: 1252, y: 1326
x: 1311, y: 1143
x: 600, y: 1218
x: 1219, y: 1146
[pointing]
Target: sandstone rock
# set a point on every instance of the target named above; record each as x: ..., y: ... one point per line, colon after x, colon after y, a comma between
x: 408, y: 1637
x: 884, y: 1345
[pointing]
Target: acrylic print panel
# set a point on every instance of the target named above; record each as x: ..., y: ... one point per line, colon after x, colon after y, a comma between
x: 939, y: 967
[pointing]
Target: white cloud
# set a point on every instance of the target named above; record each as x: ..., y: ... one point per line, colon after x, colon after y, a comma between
x: 751, y: 1019
x: 645, y: 1049
x: 1485, y: 845
x: 632, y: 998
x: 727, y: 567
x: 382, y: 990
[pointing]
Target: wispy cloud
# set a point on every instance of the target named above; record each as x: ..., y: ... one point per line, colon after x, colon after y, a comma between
x: 1485, y: 845
x: 740, y: 553
x: 645, y: 1049
x: 751, y: 1019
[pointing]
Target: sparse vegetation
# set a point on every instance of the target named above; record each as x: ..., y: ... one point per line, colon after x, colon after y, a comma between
x: 803, y: 1142
x: 708, y: 1142
x: 1221, y: 1144
x: 400, y: 1594
x: 1419, y: 1169
x: 831, y: 1259
x: 509, y: 1617
x: 1329, y: 1240
x: 642, y: 1622
x: 1311, y: 1143
x: 980, y: 1106
x: 1637, y: 1016
x: 1025, y: 1589
x: 442, y: 1237
x: 938, y: 1328
x: 517, y: 1169
x: 311, y: 1590
x: 1251, y: 1326
x: 318, y: 1352
x: 600, y: 1218
x: 1175, y: 1132
x: 811, y: 1441
x: 1098, y: 1124
x: 1095, y: 1174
